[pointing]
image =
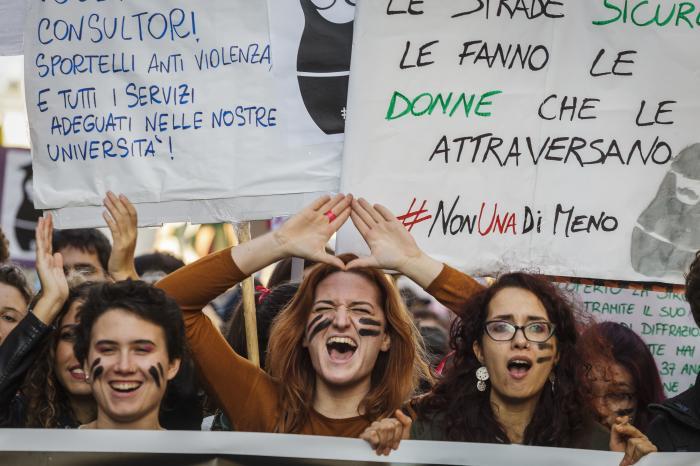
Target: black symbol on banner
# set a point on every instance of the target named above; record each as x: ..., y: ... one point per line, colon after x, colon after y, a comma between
x: 667, y: 233
x: 27, y: 215
x: 323, y: 61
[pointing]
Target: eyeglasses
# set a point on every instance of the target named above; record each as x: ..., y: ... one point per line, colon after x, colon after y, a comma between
x: 536, y: 332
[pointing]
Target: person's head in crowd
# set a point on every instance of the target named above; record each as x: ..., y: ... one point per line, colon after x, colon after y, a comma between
x: 426, y: 318
x: 269, y: 303
x: 4, y: 247
x: 516, y: 353
x: 347, y: 331
x: 85, y: 251
x: 692, y: 288
x: 282, y: 273
x: 619, y: 377
x: 130, y: 342
x: 436, y: 341
x: 55, y: 388
x: 152, y: 267
x: 15, y: 296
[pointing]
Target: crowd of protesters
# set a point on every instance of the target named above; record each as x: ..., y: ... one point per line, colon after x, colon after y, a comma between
x: 116, y: 342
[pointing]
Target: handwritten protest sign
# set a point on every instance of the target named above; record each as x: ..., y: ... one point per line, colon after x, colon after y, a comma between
x: 557, y: 135
x: 663, y: 320
x: 168, y: 103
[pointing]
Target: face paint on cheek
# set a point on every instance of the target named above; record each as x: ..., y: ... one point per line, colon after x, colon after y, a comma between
x: 368, y: 321
x: 160, y: 368
x: 545, y: 346
x: 324, y: 324
x: 313, y: 322
x: 95, y: 369
x: 367, y: 332
x: 544, y: 359
x: 156, y: 376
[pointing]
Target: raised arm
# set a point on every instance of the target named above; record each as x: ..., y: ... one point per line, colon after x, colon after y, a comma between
x: 20, y: 348
x: 247, y: 395
x: 393, y: 247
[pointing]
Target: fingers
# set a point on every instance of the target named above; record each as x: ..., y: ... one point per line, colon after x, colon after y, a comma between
x: 366, y: 212
x: 318, y: 203
x: 360, y: 224
x: 341, y: 218
x: 405, y: 420
x: 335, y: 204
x: 361, y: 262
x: 386, y: 214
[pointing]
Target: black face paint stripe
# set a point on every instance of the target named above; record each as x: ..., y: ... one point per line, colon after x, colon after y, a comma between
x: 544, y: 346
x: 97, y: 372
x: 366, y: 332
x: 315, y: 319
x: 368, y: 321
x: 160, y: 368
x: 324, y: 324
x: 156, y: 376
x: 544, y: 359
x: 95, y: 363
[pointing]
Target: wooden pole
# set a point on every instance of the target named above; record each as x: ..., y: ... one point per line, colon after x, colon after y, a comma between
x: 249, y: 310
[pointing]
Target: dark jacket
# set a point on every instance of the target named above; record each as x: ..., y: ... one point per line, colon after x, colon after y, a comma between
x: 677, y: 424
x: 17, y: 354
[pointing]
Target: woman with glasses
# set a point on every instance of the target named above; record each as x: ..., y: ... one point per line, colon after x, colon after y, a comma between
x: 512, y: 378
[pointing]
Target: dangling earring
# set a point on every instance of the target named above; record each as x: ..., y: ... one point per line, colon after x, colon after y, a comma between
x: 482, y: 375
x: 552, y: 380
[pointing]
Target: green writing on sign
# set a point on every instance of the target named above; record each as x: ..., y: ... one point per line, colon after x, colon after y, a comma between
x: 642, y: 13
x: 427, y: 103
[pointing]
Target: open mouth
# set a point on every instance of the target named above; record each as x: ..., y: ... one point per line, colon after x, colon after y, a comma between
x: 341, y: 348
x: 125, y: 387
x: 77, y: 372
x: 519, y: 367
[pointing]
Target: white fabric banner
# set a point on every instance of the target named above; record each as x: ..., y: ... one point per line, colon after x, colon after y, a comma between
x: 12, y: 16
x: 168, y: 103
x: 551, y: 135
x: 276, y: 448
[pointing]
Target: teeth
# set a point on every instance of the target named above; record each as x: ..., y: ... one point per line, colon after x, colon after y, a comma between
x: 125, y: 385
x: 77, y: 371
x: 344, y: 340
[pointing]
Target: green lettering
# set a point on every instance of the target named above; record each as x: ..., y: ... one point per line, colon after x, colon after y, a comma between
x: 392, y: 105
x: 484, y: 102
x: 610, y: 6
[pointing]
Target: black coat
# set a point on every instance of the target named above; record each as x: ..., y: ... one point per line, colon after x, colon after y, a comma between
x: 677, y: 424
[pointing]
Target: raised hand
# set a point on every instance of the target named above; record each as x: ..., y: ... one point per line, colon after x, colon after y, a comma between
x: 386, y: 434
x: 121, y: 219
x: 625, y: 437
x: 303, y: 235
x: 391, y: 245
x: 49, y: 267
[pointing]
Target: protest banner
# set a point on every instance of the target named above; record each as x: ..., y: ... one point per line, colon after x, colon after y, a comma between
x: 556, y: 136
x: 662, y: 319
x: 312, y: 44
x: 17, y: 214
x: 12, y: 14
x: 22, y: 447
x: 172, y: 104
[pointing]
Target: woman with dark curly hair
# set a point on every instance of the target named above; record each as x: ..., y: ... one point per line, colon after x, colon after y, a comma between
x: 512, y: 379
x: 55, y: 394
